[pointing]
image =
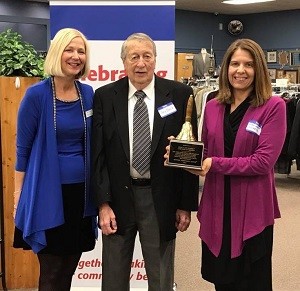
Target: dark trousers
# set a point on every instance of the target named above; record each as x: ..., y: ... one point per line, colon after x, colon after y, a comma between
x: 118, y: 249
x: 56, y: 271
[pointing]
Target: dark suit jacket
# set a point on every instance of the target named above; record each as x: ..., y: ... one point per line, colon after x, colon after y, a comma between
x: 200, y: 66
x: 172, y: 188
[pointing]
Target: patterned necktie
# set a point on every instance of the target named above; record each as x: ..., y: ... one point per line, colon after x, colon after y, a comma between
x: 141, y: 135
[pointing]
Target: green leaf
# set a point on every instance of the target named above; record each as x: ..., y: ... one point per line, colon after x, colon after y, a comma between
x: 17, y: 57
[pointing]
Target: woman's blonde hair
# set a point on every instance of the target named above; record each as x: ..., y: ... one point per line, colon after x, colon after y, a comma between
x: 63, y: 37
x: 262, y: 87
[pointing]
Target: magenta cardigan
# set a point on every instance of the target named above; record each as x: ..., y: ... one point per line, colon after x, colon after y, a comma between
x: 254, y: 203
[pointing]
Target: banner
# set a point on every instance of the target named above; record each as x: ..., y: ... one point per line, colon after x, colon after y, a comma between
x: 106, y: 24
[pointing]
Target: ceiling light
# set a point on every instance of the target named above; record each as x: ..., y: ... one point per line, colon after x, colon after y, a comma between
x: 241, y: 2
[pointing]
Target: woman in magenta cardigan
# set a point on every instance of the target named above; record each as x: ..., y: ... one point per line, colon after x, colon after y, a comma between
x: 243, y: 133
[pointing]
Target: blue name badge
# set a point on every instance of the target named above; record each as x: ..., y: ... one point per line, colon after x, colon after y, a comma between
x: 166, y: 109
x: 254, y: 126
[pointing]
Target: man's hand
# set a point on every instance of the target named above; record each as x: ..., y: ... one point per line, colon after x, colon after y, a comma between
x: 107, y: 219
x: 166, y: 155
x: 183, y: 219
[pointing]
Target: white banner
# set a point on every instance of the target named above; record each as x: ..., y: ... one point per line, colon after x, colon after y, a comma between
x: 107, y: 66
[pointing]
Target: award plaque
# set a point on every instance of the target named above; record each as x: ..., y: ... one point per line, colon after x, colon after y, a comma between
x: 185, y: 150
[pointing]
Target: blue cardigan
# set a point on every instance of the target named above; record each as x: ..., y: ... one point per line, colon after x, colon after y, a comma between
x: 40, y: 205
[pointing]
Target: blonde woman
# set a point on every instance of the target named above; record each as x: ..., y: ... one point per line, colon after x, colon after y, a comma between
x: 54, y: 213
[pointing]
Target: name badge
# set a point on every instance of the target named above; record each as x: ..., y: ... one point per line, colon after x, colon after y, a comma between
x: 89, y: 113
x: 167, y: 109
x: 254, y: 126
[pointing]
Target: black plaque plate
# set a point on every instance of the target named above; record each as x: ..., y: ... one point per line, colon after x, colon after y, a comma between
x: 186, y: 154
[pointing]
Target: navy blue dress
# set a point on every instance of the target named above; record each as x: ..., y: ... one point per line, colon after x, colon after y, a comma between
x: 77, y: 234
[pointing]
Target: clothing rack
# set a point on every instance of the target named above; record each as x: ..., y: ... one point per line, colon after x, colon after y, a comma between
x: 290, y: 150
x: 291, y: 89
x: 205, y: 82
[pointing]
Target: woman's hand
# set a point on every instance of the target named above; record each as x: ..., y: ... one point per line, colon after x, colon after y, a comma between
x: 206, y: 165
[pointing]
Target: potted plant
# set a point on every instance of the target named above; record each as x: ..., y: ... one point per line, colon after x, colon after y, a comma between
x: 19, y: 58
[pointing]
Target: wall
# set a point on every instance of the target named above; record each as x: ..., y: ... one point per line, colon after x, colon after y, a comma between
x: 273, y: 31
x: 30, y: 19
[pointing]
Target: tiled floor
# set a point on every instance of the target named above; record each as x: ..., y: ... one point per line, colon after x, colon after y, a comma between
x: 286, y: 249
